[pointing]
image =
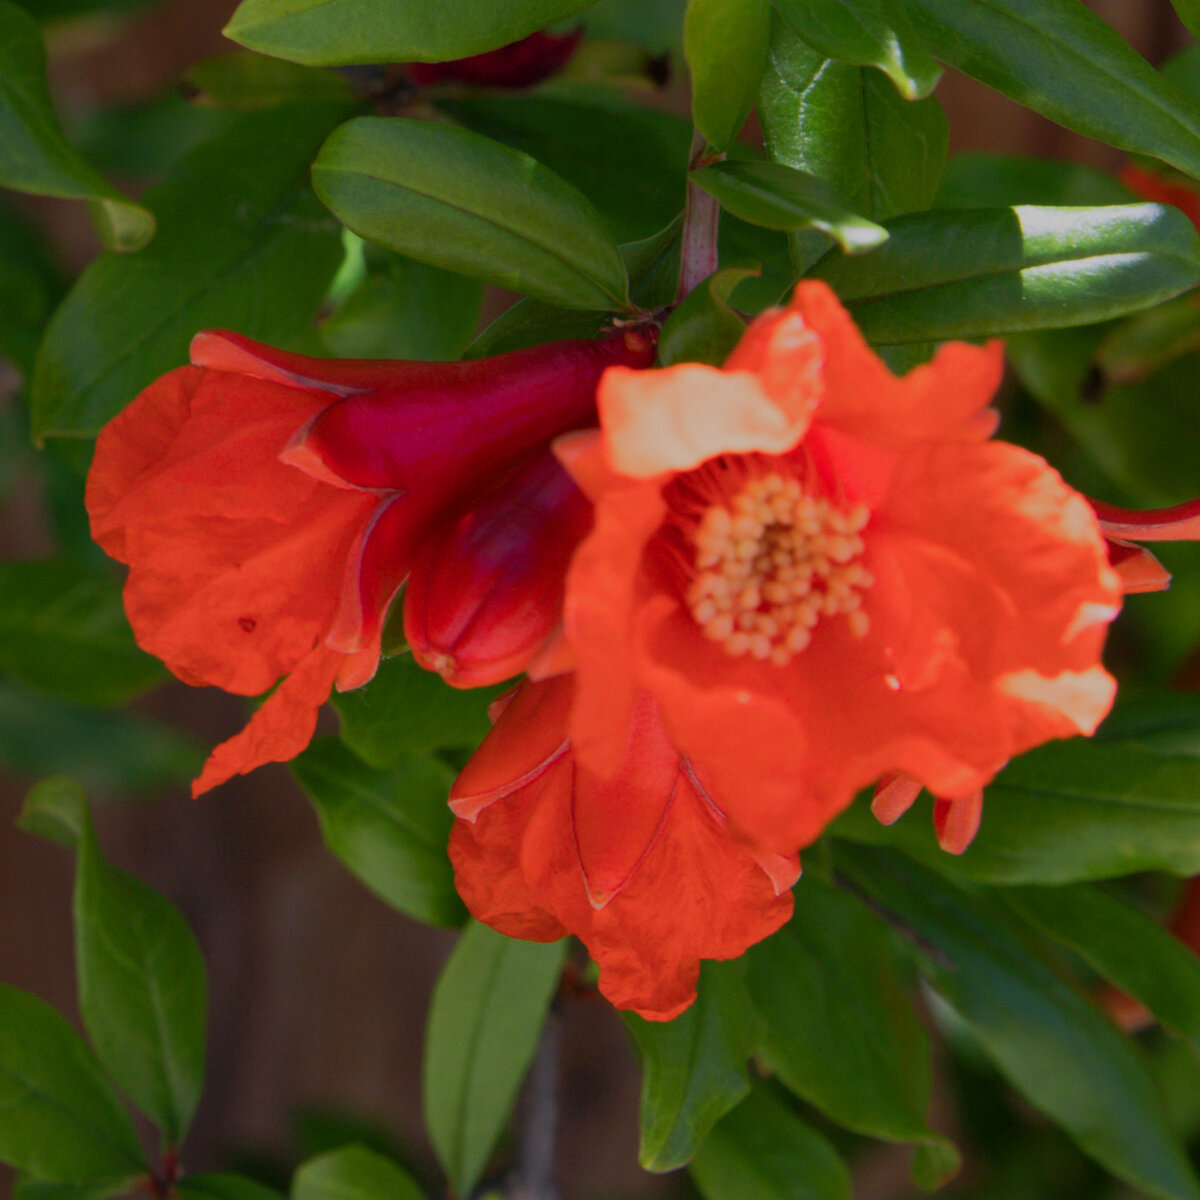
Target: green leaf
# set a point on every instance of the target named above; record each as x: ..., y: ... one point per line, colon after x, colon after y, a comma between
x: 981, y: 272
x: 1056, y: 1048
x: 35, y: 156
x: 487, y: 1011
x: 462, y: 202
x: 29, y: 286
x: 989, y: 180
x: 243, y: 244
x: 223, y: 1187
x: 1189, y: 14
x: 629, y: 161
x: 1138, y: 347
x: 1072, y: 811
x: 404, y: 309
x: 63, y: 630
x: 1121, y: 944
x: 725, y: 43
x: 62, y: 1120
x: 781, y: 197
x: 406, y: 710
x: 840, y: 1031
x: 866, y: 33
x: 703, y: 328
x: 143, y: 992
x: 55, y: 809
x: 1064, y: 62
x: 763, y: 1151
x: 694, y: 1067
x: 244, y: 81
x: 41, y: 1189
x: 333, y: 32
x: 1133, y: 433
x: 389, y: 827
x: 883, y: 155
x: 109, y: 752
x: 353, y: 1173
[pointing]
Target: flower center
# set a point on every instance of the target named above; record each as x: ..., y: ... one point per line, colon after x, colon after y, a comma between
x: 771, y: 562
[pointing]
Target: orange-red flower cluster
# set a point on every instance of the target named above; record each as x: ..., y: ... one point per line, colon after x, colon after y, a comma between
x: 751, y: 592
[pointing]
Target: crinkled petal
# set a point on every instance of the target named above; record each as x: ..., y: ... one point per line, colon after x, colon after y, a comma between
x: 674, y: 419
x: 236, y: 560
x: 281, y: 728
x: 946, y: 398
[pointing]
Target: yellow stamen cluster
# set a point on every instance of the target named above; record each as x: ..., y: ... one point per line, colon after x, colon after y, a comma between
x: 771, y: 564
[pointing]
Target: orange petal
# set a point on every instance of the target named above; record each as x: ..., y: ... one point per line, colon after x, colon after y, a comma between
x: 946, y: 398
x: 956, y: 821
x: 676, y: 418
x: 893, y: 797
x: 1137, y: 568
x: 281, y: 728
x: 236, y: 560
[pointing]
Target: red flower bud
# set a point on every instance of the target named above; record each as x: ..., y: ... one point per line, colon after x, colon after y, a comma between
x: 517, y: 65
x: 486, y: 590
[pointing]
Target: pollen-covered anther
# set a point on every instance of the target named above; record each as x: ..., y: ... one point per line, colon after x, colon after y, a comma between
x: 771, y: 562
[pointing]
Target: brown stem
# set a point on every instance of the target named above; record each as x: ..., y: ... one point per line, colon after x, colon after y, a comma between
x: 538, y: 1129
x: 701, y: 216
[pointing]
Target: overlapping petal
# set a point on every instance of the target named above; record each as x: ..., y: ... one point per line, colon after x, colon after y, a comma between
x: 640, y: 865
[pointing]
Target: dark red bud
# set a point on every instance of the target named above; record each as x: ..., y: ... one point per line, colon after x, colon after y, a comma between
x: 517, y: 65
x: 487, y: 589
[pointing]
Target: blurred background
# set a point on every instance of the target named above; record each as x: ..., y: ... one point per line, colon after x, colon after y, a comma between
x: 318, y: 990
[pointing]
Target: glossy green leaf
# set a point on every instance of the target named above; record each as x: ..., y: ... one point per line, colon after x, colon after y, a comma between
x: 1122, y: 945
x: 725, y: 43
x: 389, y: 827
x: 1067, y: 812
x: 840, y: 1031
x: 484, y: 1022
x: 55, y: 809
x: 781, y: 197
x: 991, y: 180
x: 703, y: 328
x: 694, y: 1067
x: 883, y: 155
x: 244, y: 81
x: 120, y: 753
x: 1064, y: 62
x: 462, y: 202
x: 62, y: 1120
x: 243, y: 244
x: 629, y: 161
x: 866, y: 33
x: 653, y: 266
x: 354, y: 1173
x: 35, y: 155
x: 143, y: 990
x: 1057, y: 1048
x: 63, y: 630
x: 406, y: 710
x: 333, y: 32
x: 763, y: 1151
x: 981, y: 272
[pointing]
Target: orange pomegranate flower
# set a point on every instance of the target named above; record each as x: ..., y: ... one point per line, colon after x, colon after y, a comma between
x: 640, y: 864
x: 824, y: 574
x: 269, y: 505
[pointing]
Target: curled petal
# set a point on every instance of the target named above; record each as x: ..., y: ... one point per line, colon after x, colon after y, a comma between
x: 956, y: 821
x: 1178, y: 524
x: 281, y: 728
x: 894, y: 796
x: 1137, y: 569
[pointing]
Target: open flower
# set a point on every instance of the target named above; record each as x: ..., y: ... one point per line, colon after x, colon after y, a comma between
x: 823, y: 574
x: 269, y: 504
x: 640, y: 865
